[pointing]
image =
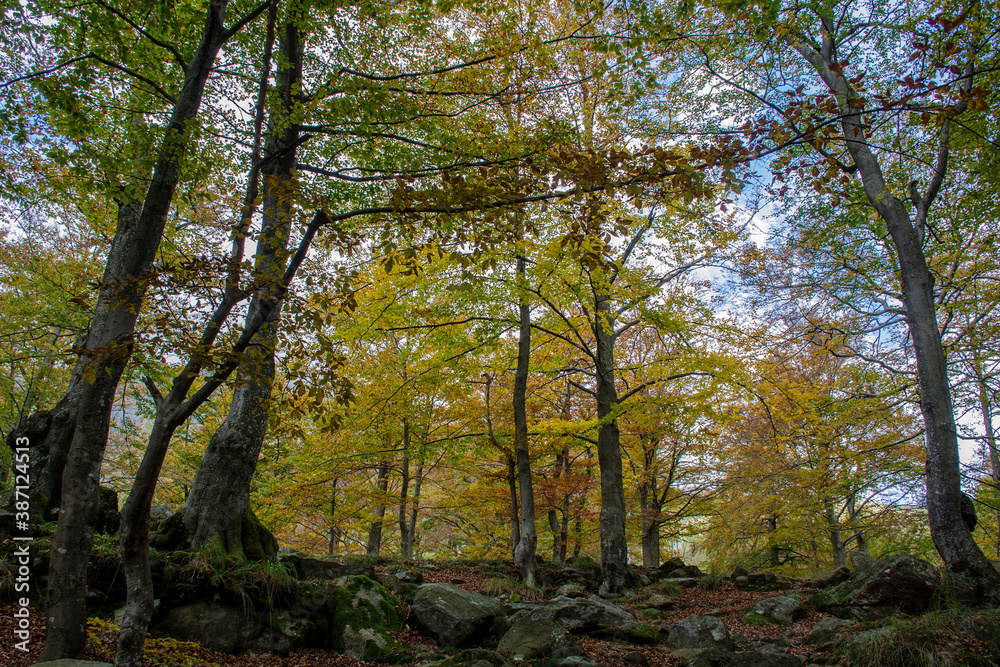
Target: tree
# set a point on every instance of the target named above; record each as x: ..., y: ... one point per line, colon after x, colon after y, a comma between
x: 857, y: 74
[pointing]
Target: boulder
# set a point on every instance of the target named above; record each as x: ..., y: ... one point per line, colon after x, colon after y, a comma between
x: 537, y: 636
x: 832, y: 577
x: 900, y: 582
x: 700, y: 632
x: 862, y: 562
x: 672, y: 564
x: 575, y: 661
x: 637, y: 658
x: 825, y: 630
x: 221, y: 627
x: 315, y: 568
x: 365, y: 612
x: 572, y: 590
x: 777, y: 610
x: 452, y: 615
x: 685, y: 572
x: 658, y: 601
x: 583, y: 613
x: 160, y: 513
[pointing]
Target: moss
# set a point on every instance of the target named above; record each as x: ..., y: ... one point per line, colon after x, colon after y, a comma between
x: 818, y: 601
x: 650, y: 614
x: 951, y: 638
x: 756, y: 619
x: 363, y: 613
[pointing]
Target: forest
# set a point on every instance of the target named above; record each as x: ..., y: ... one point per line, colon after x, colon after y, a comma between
x: 535, y: 281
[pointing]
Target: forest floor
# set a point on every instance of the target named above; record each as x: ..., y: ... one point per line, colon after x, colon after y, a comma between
x: 726, y: 602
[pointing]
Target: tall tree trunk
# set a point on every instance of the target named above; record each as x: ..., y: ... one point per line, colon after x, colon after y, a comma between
x: 833, y: 527
x: 615, y: 574
x: 648, y: 506
x: 515, y: 516
x: 405, y: 538
x: 524, y: 551
x: 375, y: 532
x: 852, y: 515
x: 334, y: 533
x: 951, y: 536
x: 108, y: 347
x: 418, y: 483
x: 560, y: 526
x: 220, y: 492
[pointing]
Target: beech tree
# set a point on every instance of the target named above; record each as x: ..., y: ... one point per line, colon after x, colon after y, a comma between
x: 852, y: 72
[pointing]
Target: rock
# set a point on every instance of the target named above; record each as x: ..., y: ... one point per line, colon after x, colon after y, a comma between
x: 66, y: 662
x: 533, y: 638
x: 700, y: 657
x: 777, y: 610
x: 825, y: 630
x: 160, y: 513
x: 452, y: 615
x: 637, y: 658
x: 575, y: 661
x: 763, y: 659
x: 757, y: 578
x: 692, y: 571
x: 582, y: 613
x: 672, y: 564
x: 683, y: 582
x: 706, y: 632
x: 739, y: 571
x: 391, y: 582
x: 862, y: 562
x: 408, y: 576
x: 571, y: 591
x: 315, y: 568
x: 642, y: 633
x: 900, y: 582
x: 220, y: 627
x: 365, y: 612
x: 832, y: 577
x: 658, y: 601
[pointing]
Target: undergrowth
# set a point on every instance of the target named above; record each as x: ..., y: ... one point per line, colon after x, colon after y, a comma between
x: 950, y: 638
x: 102, y: 640
x: 514, y: 589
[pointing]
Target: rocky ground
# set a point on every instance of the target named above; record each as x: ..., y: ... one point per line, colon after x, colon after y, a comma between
x: 750, y: 620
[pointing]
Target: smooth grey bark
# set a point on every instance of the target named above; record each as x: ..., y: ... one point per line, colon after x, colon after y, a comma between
x: 334, y: 532
x: 526, y: 547
x: 408, y: 508
x: 852, y: 516
x: 648, y: 505
x: 515, y: 520
x: 374, y: 545
x: 951, y: 537
x: 615, y: 575
x: 220, y: 492
x: 833, y: 528
x: 107, y: 349
x: 559, y: 516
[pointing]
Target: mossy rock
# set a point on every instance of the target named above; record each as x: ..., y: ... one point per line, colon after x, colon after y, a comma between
x: 818, y: 601
x: 756, y: 619
x: 364, y: 613
x: 650, y: 614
